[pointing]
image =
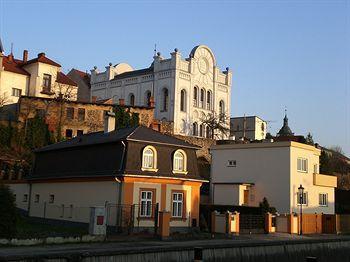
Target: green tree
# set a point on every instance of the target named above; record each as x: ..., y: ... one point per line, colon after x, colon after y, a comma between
x: 38, y: 134
x: 125, y: 119
x: 8, y: 213
x: 309, y: 139
x: 269, y: 136
x: 265, y: 207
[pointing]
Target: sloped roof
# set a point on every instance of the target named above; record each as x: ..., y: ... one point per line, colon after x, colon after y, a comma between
x: 135, y: 73
x: 42, y: 59
x: 13, y: 65
x: 139, y: 133
x: 63, y: 79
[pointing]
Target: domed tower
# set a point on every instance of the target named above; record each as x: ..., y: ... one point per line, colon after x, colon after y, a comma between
x: 285, y: 130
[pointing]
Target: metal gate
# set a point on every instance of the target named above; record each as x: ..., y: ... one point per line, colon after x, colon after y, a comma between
x: 132, y: 218
x: 251, y: 223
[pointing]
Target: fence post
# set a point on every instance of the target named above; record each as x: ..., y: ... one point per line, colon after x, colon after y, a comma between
x: 156, y: 218
x: 268, y: 222
x: 198, y: 254
x: 228, y: 219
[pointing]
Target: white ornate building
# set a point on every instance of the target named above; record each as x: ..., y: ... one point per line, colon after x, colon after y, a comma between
x: 185, y: 90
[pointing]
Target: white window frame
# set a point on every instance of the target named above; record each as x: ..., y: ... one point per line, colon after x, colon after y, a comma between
x: 149, y: 161
x: 323, y: 199
x: 16, y: 92
x: 146, y: 198
x: 51, y: 199
x: 305, y: 199
x: 302, y: 165
x: 177, y: 204
x: 231, y: 163
x: 177, y: 168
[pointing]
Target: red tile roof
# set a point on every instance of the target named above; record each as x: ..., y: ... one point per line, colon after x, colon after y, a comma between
x: 42, y: 59
x: 63, y: 79
x: 13, y: 65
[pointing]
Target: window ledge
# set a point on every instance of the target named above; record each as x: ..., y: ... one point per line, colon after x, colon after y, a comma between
x: 46, y: 92
x: 178, y: 218
x: 149, y: 169
x: 180, y: 172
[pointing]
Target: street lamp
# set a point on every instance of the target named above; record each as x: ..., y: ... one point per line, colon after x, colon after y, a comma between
x: 301, y: 201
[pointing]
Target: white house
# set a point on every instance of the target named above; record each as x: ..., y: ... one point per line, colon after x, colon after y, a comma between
x: 243, y: 174
x: 185, y: 90
x: 250, y: 127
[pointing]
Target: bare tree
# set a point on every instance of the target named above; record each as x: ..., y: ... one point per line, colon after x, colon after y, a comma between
x: 217, y: 124
x: 94, y: 120
x: 3, y: 101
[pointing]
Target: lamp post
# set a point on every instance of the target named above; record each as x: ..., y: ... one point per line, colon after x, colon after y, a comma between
x: 301, y: 201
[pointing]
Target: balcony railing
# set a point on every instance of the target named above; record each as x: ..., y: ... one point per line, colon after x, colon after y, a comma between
x: 325, y: 180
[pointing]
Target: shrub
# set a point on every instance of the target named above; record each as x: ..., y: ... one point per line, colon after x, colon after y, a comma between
x: 8, y: 213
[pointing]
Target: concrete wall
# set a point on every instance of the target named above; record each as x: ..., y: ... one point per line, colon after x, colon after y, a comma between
x: 20, y: 189
x: 72, y: 200
x: 267, y: 168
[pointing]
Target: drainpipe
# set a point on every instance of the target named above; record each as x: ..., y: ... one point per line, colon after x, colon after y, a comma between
x: 120, y: 170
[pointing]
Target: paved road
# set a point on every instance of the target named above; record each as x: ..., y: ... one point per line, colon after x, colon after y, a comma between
x: 155, y: 245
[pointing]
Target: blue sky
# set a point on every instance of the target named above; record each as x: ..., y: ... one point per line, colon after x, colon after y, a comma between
x: 293, y: 54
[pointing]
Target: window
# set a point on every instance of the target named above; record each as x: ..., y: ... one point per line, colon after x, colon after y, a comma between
x: 47, y: 82
x: 195, y: 129
x: 52, y: 199
x: 36, y: 198
x: 165, y: 99
x: 180, y: 160
x: 149, y: 158
x: 323, y: 199
x: 302, y: 165
x: 69, y: 133
x: 183, y: 100
x: 221, y: 109
x: 208, y: 100
x: 177, y: 204
x: 80, y: 132
x: 132, y: 99
x: 183, y: 126
x: 16, y: 92
x: 208, y: 132
x: 25, y: 198
x: 70, y: 113
x: 148, y: 98
x: 231, y: 163
x: 202, y: 104
x: 81, y: 114
x: 201, y: 130
x: 304, y: 200
x: 195, y: 96
x: 146, y: 203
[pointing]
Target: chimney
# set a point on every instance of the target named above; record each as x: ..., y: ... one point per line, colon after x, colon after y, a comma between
x: 25, y: 56
x: 10, y: 57
x: 42, y: 54
x: 122, y: 102
x: 156, y: 126
x: 151, y: 101
x: 93, y: 99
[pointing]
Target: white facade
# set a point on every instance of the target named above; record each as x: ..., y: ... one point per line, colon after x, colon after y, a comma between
x: 250, y: 127
x: 185, y: 90
x: 270, y: 170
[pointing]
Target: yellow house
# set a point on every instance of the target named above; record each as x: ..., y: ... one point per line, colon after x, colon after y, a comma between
x: 243, y: 174
x: 39, y: 77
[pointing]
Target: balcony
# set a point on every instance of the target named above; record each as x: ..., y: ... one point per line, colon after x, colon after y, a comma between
x: 325, y: 180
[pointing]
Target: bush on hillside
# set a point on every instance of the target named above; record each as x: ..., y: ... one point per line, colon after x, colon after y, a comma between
x: 8, y: 212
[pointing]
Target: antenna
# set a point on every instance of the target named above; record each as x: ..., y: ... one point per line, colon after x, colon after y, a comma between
x: 11, y: 48
x: 155, y: 49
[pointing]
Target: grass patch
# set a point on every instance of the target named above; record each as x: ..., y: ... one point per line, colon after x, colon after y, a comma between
x: 33, y: 228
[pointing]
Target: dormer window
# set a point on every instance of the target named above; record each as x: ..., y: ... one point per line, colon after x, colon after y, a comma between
x: 149, y: 159
x: 47, y: 82
x: 180, y: 162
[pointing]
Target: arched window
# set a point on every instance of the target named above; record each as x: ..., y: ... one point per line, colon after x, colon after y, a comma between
x: 222, y: 109
x: 201, y: 130
x: 148, y: 95
x: 202, y: 94
x: 183, y: 100
x: 195, y: 96
x: 208, y: 131
x: 165, y: 99
x: 149, y: 159
x: 180, y: 162
x: 132, y: 99
x: 209, y: 98
x: 195, y: 129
